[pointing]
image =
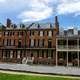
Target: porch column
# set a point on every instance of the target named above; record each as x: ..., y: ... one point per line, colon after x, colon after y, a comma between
x: 56, y: 53
x: 56, y: 58
x: 67, y: 52
x: 67, y: 58
x: 4, y: 52
x: 78, y: 51
x: 78, y: 58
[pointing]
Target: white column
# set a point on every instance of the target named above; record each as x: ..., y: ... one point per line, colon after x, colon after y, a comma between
x: 78, y: 58
x: 18, y: 54
x: 67, y: 52
x: 56, y: 58
x: 78, y: 51
x: 4, y: 52
x: 11, y: 54
x: 56, y: 53
x: 67, y: 58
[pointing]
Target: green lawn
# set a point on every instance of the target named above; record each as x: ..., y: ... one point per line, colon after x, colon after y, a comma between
x: 4, y: 76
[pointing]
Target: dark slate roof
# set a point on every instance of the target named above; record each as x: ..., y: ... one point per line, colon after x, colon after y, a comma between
x: 39, y: 26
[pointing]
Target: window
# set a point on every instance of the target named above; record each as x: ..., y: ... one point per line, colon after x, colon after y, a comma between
x: 4, y: 33
x: 49, y: 33
x: 31, y: 33
x: 40, y: 43
x: 45, y: 32
x: 12, y: 42
x: 32, y: 42
x: 75, y: 31
x: 70, y: 33
x: 41, y: 33
x: 19, y: 44
x: 43, y: 42
x: 18, y: 33
x: 49, y: 44
x: 38, y: 53
x: 13, y: 33
x: 42, y: 53
x: 9, y: 42
x: 21, y: 33
x: 10, y: 33
x: 49, y: 53
x: 5, y: 42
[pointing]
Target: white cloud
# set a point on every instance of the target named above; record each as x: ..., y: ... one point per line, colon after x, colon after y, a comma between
x: 68, y: 7
x: 35, y: 15
x: 40, y: 10
x: 35, y: 10
x: 27, y: 10
x: 2, y: 0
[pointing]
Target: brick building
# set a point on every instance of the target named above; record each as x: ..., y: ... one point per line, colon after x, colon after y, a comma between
x: 26, y: 44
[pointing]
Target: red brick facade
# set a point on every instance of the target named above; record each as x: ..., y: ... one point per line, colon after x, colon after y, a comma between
x: 30, y: 44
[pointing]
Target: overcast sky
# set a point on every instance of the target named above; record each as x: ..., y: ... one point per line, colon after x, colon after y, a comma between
x: 68, y: 11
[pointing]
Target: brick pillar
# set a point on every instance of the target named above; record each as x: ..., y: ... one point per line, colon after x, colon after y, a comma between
x: 28, y: 39
x: 16, y: 39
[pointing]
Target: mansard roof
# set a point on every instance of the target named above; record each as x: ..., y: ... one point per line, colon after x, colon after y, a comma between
x: 31, y: 26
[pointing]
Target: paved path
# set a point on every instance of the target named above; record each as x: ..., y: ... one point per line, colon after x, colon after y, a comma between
x: 42, y: 69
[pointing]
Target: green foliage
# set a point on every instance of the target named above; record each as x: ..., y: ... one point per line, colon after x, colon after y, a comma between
x: 27, y: 77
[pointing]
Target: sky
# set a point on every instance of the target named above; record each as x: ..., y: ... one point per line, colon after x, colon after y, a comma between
x: 24, y: 11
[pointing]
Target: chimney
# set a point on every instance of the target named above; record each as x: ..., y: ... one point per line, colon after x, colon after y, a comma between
x: 56, y: 24
x: 8, y: 23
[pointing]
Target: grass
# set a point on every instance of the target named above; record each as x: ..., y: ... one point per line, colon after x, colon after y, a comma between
x: 5, y: 76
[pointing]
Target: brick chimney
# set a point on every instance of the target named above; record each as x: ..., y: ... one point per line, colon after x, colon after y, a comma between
x: 8, y: 23
x: 56, y: 24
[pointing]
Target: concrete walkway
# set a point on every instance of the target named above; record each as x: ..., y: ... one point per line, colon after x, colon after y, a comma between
x: 42, y: 69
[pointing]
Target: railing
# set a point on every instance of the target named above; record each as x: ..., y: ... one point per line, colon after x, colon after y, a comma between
x: 62, y: 46
x: 69, y: 47
x: 72, y: 47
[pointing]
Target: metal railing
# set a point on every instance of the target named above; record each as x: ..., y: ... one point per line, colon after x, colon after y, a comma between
x: 69, y: 46
x: 61, y: 46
